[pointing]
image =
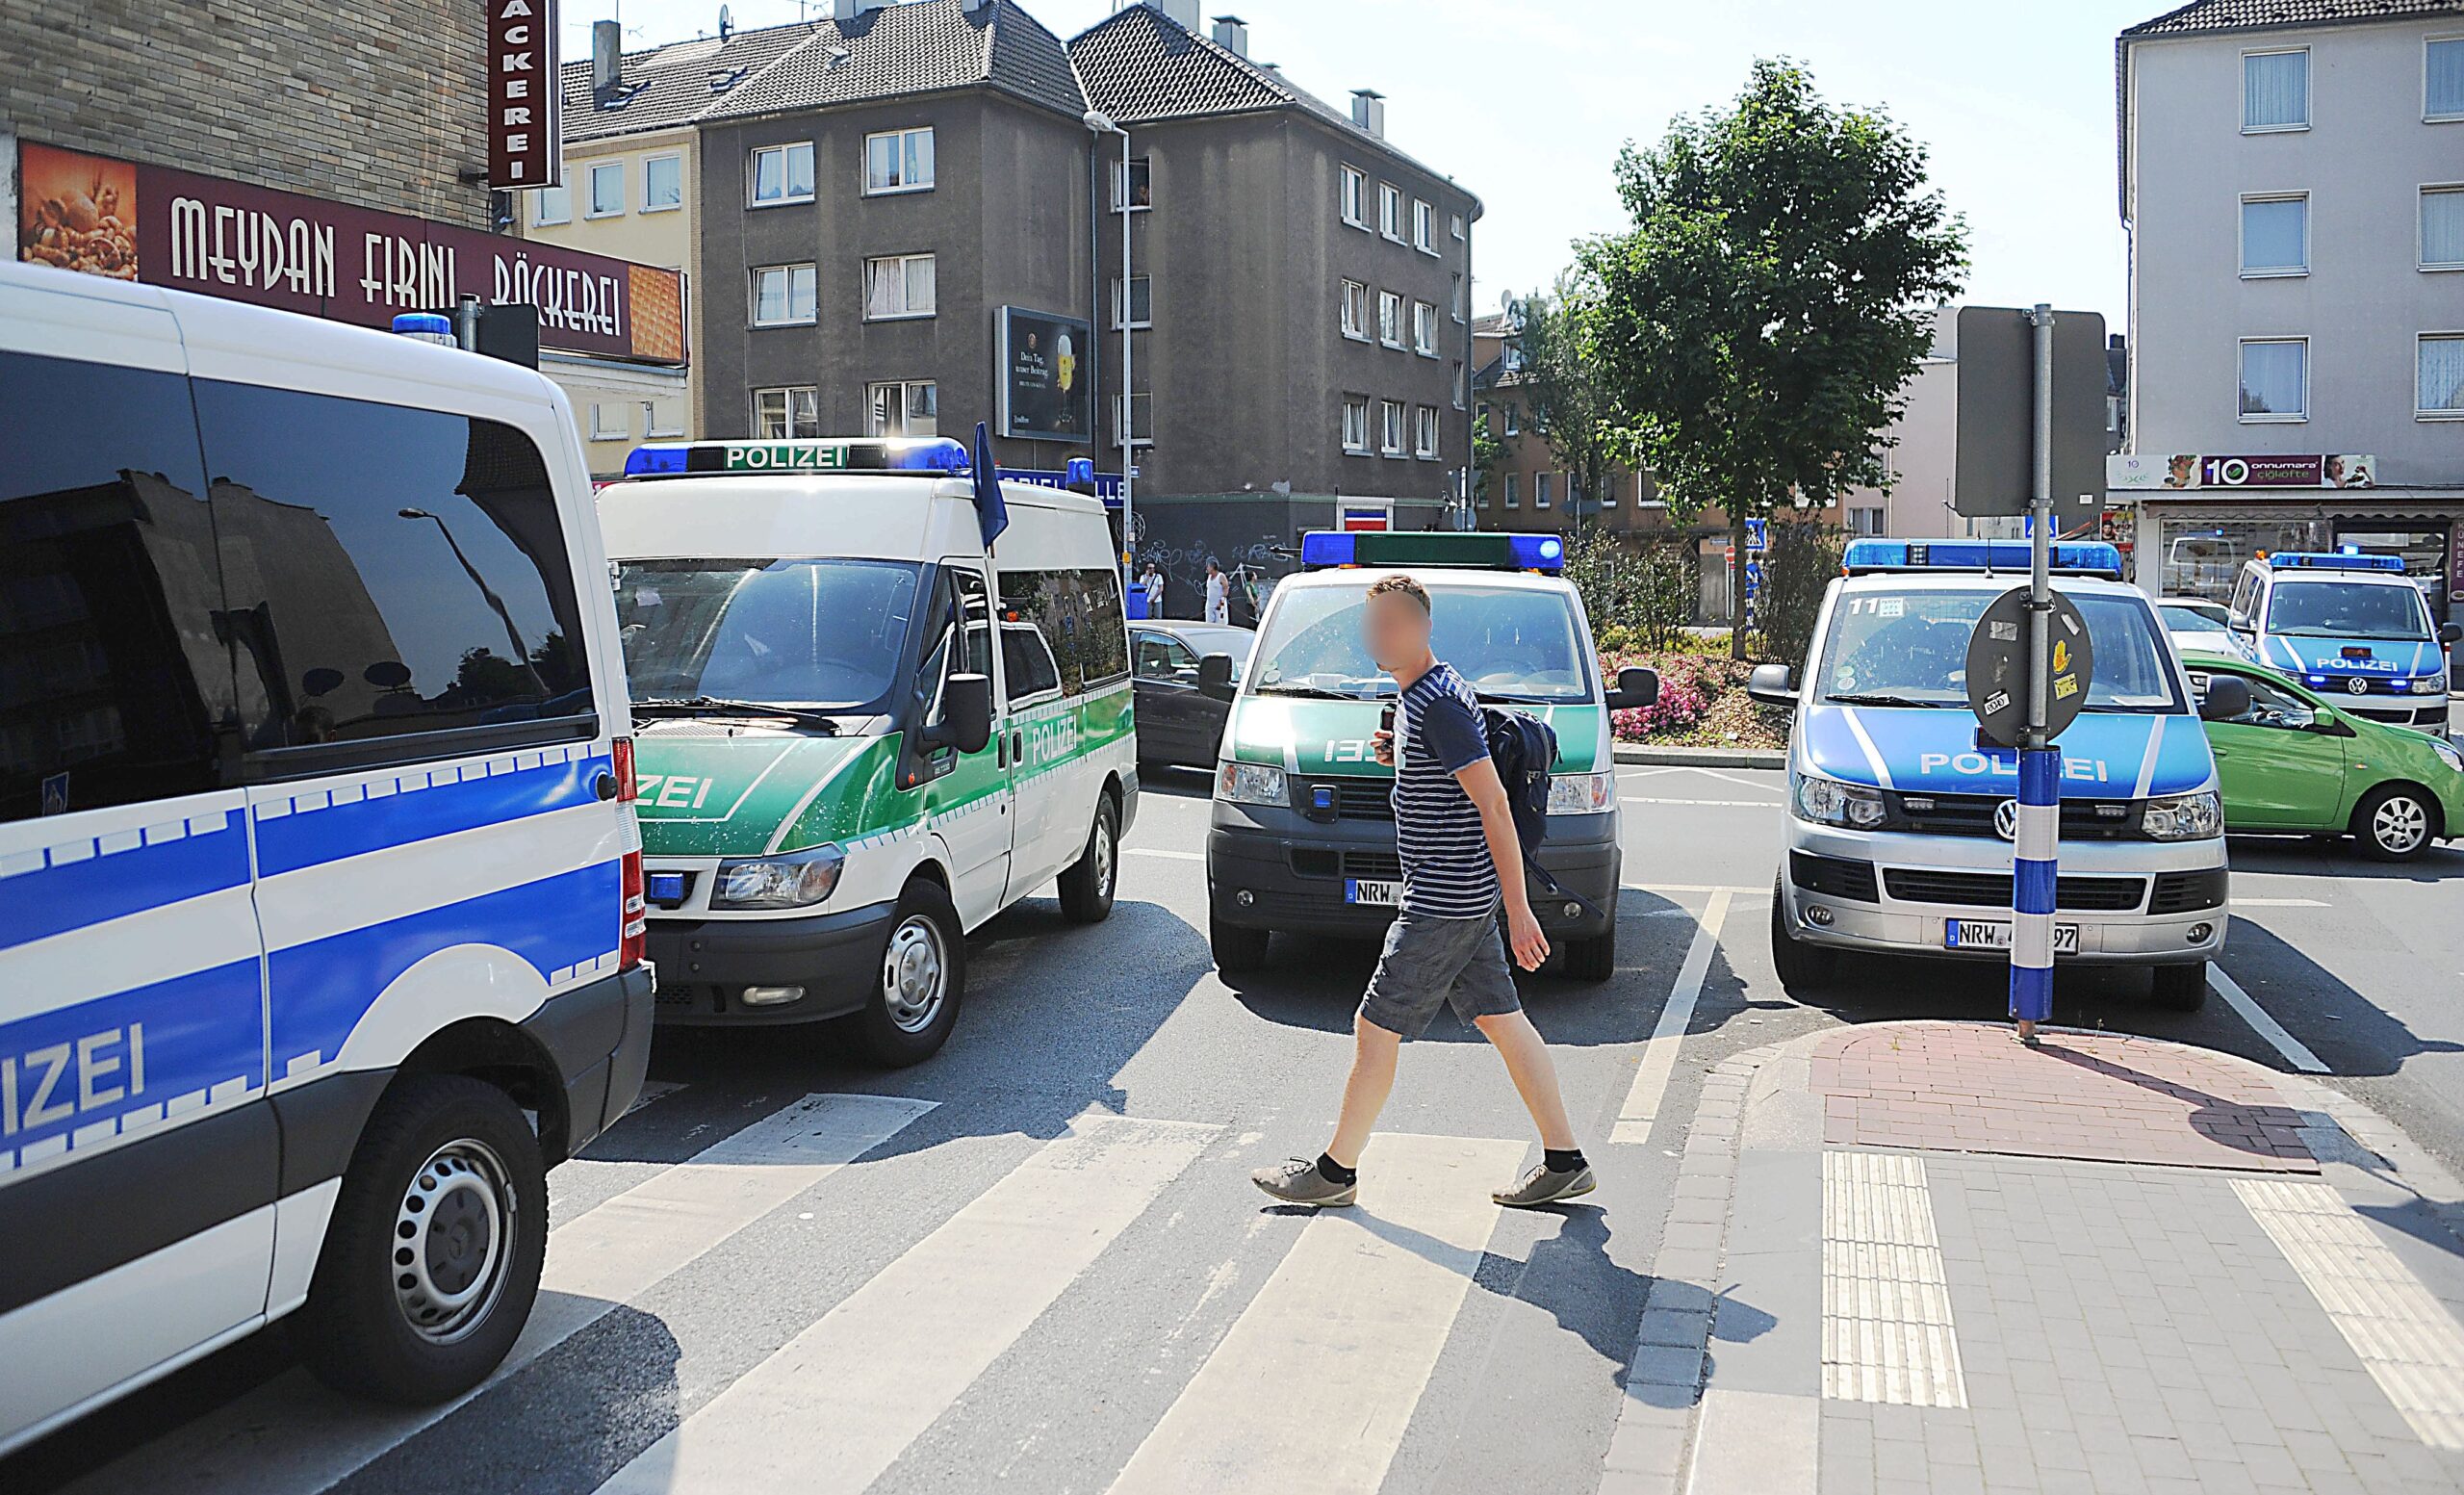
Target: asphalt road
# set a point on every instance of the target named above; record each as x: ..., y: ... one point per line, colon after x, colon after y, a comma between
x: 976, y: 1274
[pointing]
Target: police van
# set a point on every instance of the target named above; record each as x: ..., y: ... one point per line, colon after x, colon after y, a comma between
x: 862, y: 730
x: 1901, y: 818
x: 319, y: 929
x: 1302, y: 835
x: 2347, y: 623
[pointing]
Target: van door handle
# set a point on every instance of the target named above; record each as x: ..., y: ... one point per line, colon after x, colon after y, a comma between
x: 1000, y: 750
x: 1018, y: 747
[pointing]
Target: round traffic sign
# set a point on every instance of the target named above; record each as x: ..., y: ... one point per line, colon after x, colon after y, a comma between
x: 1997, y: 667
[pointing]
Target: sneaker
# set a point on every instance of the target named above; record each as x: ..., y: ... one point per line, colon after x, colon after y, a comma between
x: 1298, y: 1181
x: 1540, y: 1186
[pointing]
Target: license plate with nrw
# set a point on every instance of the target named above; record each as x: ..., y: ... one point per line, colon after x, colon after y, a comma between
x: 1383, y: 892
x: 1976, y: 934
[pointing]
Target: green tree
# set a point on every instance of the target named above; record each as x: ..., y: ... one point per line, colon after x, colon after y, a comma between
x: 1561, y: 388
x: 1756, y: 326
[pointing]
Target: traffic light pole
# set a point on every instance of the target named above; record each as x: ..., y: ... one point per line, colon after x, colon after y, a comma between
x: 2036, y: 838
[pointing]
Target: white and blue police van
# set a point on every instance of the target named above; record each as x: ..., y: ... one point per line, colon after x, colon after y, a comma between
x: 320, y: 926
x: 2350, y: 623
x: 1901, y: 819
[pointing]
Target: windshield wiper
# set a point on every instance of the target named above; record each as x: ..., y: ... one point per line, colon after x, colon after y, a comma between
x: 714, y: 706
x: 1518, y: 697
x: 1310, y: 692
x: 1886, y: 700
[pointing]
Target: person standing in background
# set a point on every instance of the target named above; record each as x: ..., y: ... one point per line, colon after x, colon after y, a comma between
x: 1218, y: 594
x: 1151, y: 582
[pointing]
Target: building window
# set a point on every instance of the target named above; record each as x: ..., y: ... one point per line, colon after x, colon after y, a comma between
x: 610, y: 422
x: 1424, y: 227
x: 785, y: 414
x: 1865, y: 521
x: 898, y: 161
x: 1356, y: 423
x: 2275, y: 235
x: 1459, y: 230
x: 1390, y: 211
x: 2443, y: 228
x: 1425, y: 330
x: 1355, y: 186
x: 912, y: 407
x: 1141, y: 195
x: 1455, y: 298
x: 662, y: 184
x: 1462, y: 387
x: 2440, y: 376
x: 782, y: 173
x: 1425, y: 431
x: 1513, y: 419
x: 661, y: 417
x: 2275, y: 379
x: 782, y: 296
x: 2275, y: 90
x: 1514, y: 490
x: 2442, y: 79
x: 1390, y: 318
x: 607, y: 189
x: 1480, y: 492
x: 1609, y: 492
x: 1142, y: 303
x: 1355, y: 310
x: 1141, y: 409
x: 1540, y: 495
x: 552, y: 205
x: 898, y: 285
x: 1389, y: 427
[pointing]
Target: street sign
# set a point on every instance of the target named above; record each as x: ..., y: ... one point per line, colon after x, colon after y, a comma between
x: 1997, y: 668
x: 1995, y: 469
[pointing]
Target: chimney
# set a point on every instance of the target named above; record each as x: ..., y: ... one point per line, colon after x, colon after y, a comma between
x: 606, y: 56
x: 1369, y: 110
x: 1184, y: 13
x: 1232, y: 35
x: 852, y: 9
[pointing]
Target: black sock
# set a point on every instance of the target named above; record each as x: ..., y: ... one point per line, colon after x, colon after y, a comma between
x: 1336, y: 1172
x: 1567, y: 1162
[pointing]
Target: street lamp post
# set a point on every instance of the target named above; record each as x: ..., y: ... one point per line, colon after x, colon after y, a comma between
x: 1103, y: 125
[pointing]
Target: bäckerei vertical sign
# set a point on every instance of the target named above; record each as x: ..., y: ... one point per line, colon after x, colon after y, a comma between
x: 525, y: 145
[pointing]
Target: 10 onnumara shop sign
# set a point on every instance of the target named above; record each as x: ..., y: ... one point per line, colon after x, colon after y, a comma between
x: 150, y: 223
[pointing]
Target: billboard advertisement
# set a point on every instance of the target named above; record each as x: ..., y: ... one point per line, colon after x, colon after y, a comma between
x: 187, y: 232
x: 1040, y: 371
x: 2184, y: 471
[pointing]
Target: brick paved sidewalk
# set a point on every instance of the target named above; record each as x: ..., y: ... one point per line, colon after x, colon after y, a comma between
x: 1919, y: 1258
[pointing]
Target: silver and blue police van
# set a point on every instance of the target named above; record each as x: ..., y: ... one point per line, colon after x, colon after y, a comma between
x: 321, y: 919
x: 1901, y: 819
x: 2342, y: 621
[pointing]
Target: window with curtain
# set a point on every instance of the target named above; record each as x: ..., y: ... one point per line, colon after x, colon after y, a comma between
x: 662, y: 183
x: 2275, y: 90
x: 2275, y: 235
x: 2442, y: 79
x: 1355, y: 310
x: 898, y: 285
x: 2276, y: 380
x: 2443, y: 228
x: 898, y: 161
x: 2442, y: 375
x: 783, y: 294
x: 911, y: 407
x: 1355, y: 422
x: 785, y: 414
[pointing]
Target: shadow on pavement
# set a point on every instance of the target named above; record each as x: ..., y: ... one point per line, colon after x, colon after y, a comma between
x: 2351, y: 1034
x: 2313, y: 857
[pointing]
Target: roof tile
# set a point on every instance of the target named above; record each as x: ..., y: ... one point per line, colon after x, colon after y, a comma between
x: 2260, y: 14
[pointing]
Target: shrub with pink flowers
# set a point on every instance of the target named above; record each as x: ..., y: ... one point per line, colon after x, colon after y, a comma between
x: 1702, y: 701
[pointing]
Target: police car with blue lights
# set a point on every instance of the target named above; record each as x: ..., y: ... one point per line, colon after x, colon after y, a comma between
x: 1901, y: 819
x: 2347, y: 623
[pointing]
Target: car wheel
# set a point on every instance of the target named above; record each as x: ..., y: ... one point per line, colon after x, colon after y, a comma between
x: 923, y: 976
x: 1594, y: 959
x: 2396, y: 823
x: 1236, y: 950
x: 431, y: 1259
x: 1087, y: 886
x: 2181, y: 988
x: 1800, y: 965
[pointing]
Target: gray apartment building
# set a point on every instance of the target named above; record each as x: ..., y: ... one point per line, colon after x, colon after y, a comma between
x: 2292, y: 177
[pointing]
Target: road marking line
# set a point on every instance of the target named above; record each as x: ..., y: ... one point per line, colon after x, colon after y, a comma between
x: 841, y: 1401
x: 2295, y: 1052
x: 1744, y: 784
x: 1349, y: 1325
x: 1755, y: 1443
x: 1887, y: 1332
x: 1733, y: 804
x: 1157, y: 851
x: 2280, y: 903
x: 1659, y: 1053
x: 2404, y: 1336
x: 1730, y: 888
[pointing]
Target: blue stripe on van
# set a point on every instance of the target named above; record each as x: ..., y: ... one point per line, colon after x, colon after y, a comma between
x: 307, y: 837
x: 71, y: 894
x: 322, y: 989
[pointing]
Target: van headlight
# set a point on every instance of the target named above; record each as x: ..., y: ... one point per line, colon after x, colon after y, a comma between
x: 1251, y: 784
x: 2184, y: 817
x: 2447, y: 755
x: 1830, y: 802
x: 1581, y: 794
x: 2430, y: 686
x: 791, y: 882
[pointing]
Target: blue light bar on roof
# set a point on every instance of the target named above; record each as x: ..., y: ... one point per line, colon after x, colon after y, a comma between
x: 1486, y: 551
x: 929, y: 455
x: 2321, y: 560
x: 2069, y: 557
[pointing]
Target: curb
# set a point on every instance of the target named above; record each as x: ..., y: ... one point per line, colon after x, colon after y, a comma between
x: 1699, y: 757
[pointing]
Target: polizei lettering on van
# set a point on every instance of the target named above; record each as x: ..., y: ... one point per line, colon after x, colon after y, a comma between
x: 2085, y: 770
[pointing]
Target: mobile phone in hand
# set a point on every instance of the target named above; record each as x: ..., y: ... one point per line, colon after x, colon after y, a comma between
x: 1386, y: 717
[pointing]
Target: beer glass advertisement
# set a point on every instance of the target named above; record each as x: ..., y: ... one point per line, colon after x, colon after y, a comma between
x: 1043, y: 375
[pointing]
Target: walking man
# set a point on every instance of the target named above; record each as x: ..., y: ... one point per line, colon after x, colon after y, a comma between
x: 1218, y: 594
x: 1461, y: 856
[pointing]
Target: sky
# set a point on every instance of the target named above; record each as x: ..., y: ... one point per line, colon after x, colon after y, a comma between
x: 1527, y: 103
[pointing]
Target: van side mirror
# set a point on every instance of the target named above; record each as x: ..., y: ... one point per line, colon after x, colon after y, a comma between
x: 1772, y: 684
x: 2228, y: 697
x: 1637, y: 688
x: 1215, y: 677
x: 2451, y: 632
x: 966, y: 714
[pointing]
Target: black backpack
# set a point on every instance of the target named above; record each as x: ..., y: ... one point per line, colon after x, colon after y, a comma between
x: 1525, y: 748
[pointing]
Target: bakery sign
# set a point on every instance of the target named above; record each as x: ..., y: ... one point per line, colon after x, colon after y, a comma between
x: 523, y: 147
x: 2131, y: 473
x: 149, y: 223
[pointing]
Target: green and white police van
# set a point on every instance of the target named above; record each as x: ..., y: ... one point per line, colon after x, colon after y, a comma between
x: 1303, y: 823
x: 862, y: 731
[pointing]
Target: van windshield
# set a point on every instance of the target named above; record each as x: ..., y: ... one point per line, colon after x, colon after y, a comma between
x: 822, y: 634
x: 1909, y: 647
x: 1509, y: 643
x: 2347, y: 609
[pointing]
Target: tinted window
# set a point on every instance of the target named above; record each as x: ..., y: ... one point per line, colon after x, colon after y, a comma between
x: 111, y: 675
x: 391, y: 571
x: 1080, y: 615
x: 1160, y: 656
x: 1026, y: 664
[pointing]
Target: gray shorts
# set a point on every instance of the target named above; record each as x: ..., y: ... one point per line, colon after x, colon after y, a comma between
x: 1429, y: 961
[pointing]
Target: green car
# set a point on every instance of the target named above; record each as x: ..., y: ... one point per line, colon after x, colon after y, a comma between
x: 2296, y: 763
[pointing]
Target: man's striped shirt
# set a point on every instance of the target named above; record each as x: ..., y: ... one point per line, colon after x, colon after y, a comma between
x: 1447, y: 870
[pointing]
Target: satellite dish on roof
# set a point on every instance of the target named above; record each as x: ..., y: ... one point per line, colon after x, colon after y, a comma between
x: 727, y: 24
